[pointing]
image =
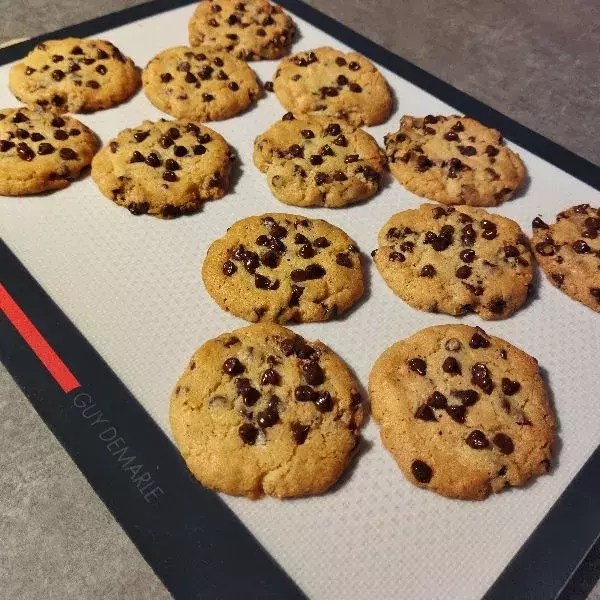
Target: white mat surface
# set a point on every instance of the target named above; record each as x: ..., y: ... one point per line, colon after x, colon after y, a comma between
x: 133, y: 287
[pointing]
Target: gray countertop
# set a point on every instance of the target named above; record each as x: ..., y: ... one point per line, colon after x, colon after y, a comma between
x: 535, y: 60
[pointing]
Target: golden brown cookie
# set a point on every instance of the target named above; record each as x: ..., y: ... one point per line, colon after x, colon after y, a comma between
x: 74, y: 75
x: 261, y: 411
x: 250, y: 30
x: 280, y: 267
x: 569, y: 252
x: 319, y: 161
x: 330, y: 82
x: 164, y: 168
x: 199, y: 84
x: 454, y: 160
x: 41, y: 151
x: 463, y: 413
x: 442, y: 259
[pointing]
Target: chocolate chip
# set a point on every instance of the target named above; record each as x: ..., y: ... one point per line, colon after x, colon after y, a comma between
x: 326, y: 150
x: 407, y: 246
x: 491, y: 151
x: 249, y: 395
x: 467, y: 150
x: 76, y: 50
x: 489, y: 229
x: 174, y: 133
x: 233, y: 86
x: 270, y: 377
x: 58, y: 100
x: 268, y: 85
x: 468, y: 235
x: 140, y: 136
x: 320, y: 177
x: 248, y: 433
x: 29, y: 71
x: 477, y: 440
x: 22, y: 134
x: 229, y: 268
x: 397, y: 257
x: 463, y: 272
x: 306, y: 251
x: 92, y: 84
x: 451, y: 366
x: 342, y: 80
x: 581, y: 247
x: 296, y: 151
x: 467, y: 397
x: 321, y: 242
x: 136, y: 157
x: 339, y: 176
x: 341, y: 140
x: 339, y: 61
x: 351, y: 158
x: 288, y: 117
x: 537, y: 223
x: 558, y: 278
x: 595, y: 292
x: 315, y: 160
x: 510, y: 387
x: 113, y: 146
x: 207, y: 97
x: 301, y: 239
x: 478, y: 341
x: 354, y: 87
x: 304, y: 393
x: 423, y: 163
x: 25, y: 152
x: 429, y: 130
x: 497, y: 305
x: 61, y: 134
x: 270, y: 259
x: 324, y: 403
x: 299, y: 432
x: 354, y: 66
x: 72, y: 132
x: 45, y: 149
x: 545, y: 248
x: 451, y: 136
x: 57, y: 75
x: 169, y: 176
x: 180, y: 151
x: 504, y: 443
x: 267, y: 418
x: 467, y: 256
x: 232, y: 366
x: 101, y: 69
x: 457, y: 412
x: 421, y: 471
x: 418, y: 365
x: 165, y: 141
x: 427, y: 271
x: 68, y: 154
x: 261, y: 282
x: 425, y: 413
x: 481, y: 377
x: 313, y: 373
x: 172, y: 165
x: 437, y: 400
x: 251, y: 261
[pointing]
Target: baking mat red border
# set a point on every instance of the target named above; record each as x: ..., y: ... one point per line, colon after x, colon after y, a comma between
x: 191, y: 539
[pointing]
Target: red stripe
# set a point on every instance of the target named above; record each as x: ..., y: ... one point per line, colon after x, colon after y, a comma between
x: 37, y: 343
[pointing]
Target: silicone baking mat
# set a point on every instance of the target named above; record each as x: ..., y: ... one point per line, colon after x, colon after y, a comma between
x: 101, y: 311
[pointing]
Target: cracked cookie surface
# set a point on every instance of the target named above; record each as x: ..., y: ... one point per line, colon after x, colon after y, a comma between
x: 164, y: 168
x: 329, y: 82
x: 319, y: 161
x: 74, y: 75
x: 454, y: 160
x: 463, y: 413
x: 41, y: 151
x: 199, y: 84
x: 280, y: 267
x: 569, y: 252
x: 250, y: 30
x: 261, y: 411
x: 455, y: 261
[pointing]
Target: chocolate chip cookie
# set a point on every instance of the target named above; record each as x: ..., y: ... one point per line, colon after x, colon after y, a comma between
x: 333, y: 83
x: 569, y: 252
x: 74, y: 75
x: 40, y: 151
x: 442, y: 259
x: 319, y: 161
x: 164, y: 168
x: 261, y: 411
x: 200, y: 85
x: 463, y: 413
x: 280, y: 267
x: 454, y: 160
x: 250, y: 30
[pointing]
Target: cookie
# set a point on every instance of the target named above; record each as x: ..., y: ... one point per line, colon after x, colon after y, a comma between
x: 73, y: 75
x: 319, y: 161
x: 249, y: 30
x: 463, y: 413
x: 333, y: 83
x: 200, y: 85
x: 261, y: 411
x: 455, y: 261
x: 569, y: 252
x: 164, y: 168
x: 40, y: 151
x: 454, y: 160
x: 280, y: 267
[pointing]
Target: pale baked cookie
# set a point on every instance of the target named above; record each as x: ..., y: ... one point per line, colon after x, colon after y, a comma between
x: 199, y: 84
x: 164, y: 168
x: 569, y: 252
x: 319, y: 161
x: 41, y: 151
x: 463, y: 413
x: 280, y: 267
x: 454, y: 160
x: 74, y: 75
x: 250, y: 30
x: 442, y: 259
x: 261, y: 411
x: 333, y: 83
